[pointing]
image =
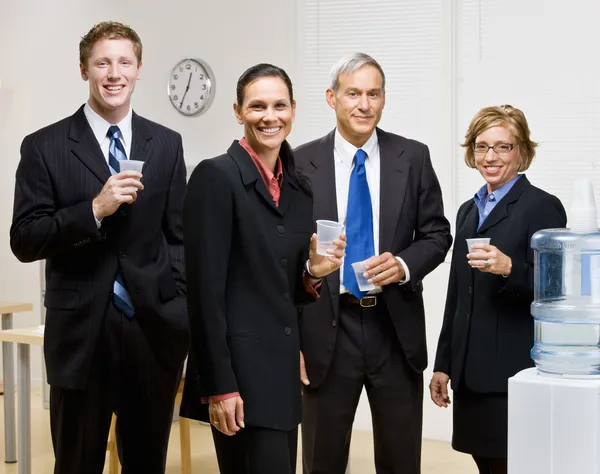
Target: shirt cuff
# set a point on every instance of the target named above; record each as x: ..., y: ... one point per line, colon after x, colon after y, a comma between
x: 98, y: 221
x: 310, y: 289
x: 218, y: 398
x: 406, y: 278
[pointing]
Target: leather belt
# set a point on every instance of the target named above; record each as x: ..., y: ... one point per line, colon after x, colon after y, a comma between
x: 368, y: 301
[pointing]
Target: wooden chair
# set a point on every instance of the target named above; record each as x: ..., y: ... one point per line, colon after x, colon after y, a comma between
x: 184, y: 435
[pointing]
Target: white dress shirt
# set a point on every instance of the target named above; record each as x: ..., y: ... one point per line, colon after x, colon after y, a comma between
x: 100, y: 128
x: 343, y: 155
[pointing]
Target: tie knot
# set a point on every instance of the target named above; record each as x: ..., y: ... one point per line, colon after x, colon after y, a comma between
x: 359, y: 157
x: 114, y: 132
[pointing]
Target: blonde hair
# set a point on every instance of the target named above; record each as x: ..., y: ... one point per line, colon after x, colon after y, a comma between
x: 501, y: 116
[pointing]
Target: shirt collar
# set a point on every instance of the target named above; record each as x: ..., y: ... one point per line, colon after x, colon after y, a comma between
x: 347, y: 150
x: 263, y: 169
x: 100, y: 126
x: 498, y: 194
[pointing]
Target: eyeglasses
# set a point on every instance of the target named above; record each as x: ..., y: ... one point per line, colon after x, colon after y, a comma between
x: 499, y: 148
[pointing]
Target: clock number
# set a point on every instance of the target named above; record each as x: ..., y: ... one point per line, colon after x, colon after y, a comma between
x: 175, y: 97
x: 189, y: 107
x: 202, y: 97
x: 188, y: 66
x: 203, y: 87
x: 196, y: 104
x: 175, y: 77
x: 201, y: 77
x: 173, y: 87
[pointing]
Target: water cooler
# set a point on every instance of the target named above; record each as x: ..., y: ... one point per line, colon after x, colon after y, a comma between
x: 554, y: 409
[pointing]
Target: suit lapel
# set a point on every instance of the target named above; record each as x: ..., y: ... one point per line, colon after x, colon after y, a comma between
x: 251, y: 176
x: 322, y: 177
x: 141, y: 140
x: 289, y: 185
x: 468, y: 225
x: 393, y: 183
x: 86, y: 148
x: 322, y: 180
x: 500, y: 211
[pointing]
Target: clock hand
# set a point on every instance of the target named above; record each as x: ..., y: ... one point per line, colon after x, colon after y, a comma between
x: 186, y: 90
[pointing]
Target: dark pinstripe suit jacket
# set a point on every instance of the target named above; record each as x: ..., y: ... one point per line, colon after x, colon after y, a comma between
x: 62, y: 169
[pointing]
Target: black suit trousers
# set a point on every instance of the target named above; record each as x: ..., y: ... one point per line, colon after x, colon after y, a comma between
x: 367, y: 353
x: 128, y: 380
x: 257, y: 451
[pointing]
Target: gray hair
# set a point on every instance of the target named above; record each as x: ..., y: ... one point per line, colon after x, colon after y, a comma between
x: 352, y: 63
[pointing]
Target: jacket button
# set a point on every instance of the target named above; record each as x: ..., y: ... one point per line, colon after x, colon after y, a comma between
x: 280, y: 229
x: 287, y: 331
x: 286, y: 297
x: 334, y: 323
x: 284, y: 262
x: 122, y: 254
x: 470, y: 290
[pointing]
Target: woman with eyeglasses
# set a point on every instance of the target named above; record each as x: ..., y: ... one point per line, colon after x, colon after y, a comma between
x: 487, y: 331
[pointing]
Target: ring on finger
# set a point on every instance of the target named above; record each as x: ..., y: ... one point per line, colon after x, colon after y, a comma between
x: 485, y: 263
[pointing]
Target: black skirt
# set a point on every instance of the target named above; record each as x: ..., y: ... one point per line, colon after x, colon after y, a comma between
x: 480, y: 423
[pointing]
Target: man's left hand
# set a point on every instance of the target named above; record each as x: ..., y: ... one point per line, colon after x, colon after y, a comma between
x: 384, y: 269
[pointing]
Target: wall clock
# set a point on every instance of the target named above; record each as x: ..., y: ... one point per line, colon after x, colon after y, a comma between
x: 191, y: 87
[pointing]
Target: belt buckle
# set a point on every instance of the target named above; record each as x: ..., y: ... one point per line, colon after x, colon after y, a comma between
x: 368, y: 301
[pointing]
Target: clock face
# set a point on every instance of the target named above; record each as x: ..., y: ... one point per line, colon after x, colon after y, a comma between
x: 191, y: 87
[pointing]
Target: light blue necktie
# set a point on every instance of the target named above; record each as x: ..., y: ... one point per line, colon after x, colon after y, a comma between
x: 116, y: 153
x: 359, y: 223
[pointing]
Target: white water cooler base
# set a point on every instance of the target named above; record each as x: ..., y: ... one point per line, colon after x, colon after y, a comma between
x: 553, y: 425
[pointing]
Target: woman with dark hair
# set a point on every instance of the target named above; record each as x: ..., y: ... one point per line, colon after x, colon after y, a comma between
x: 488, y: 329
x: 250, y: 262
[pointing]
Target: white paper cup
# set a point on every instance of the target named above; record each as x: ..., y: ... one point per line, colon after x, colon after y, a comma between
x: 327, y: 232
x: 359, y: 269
x: 131, y: 165
x: 480, y: 240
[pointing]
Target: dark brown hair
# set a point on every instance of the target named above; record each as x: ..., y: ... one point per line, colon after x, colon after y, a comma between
x: 256, y: 72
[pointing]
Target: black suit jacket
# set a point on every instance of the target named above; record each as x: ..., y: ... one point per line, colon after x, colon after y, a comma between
x: 487, y: 331
x: 412, y: 226
x: 62, y: 169
x: 244, y: 259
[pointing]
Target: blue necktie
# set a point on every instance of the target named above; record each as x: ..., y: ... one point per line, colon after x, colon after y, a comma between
x: 116, y: 153
x: 359, y: 223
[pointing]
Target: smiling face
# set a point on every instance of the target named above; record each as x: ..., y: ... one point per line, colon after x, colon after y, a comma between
x: 497, y: 169
x: 112, y: 71
x: 358, y: 104
x: 267, y: 113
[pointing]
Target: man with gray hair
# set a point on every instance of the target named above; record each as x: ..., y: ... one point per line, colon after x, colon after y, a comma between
x: 384, y: 189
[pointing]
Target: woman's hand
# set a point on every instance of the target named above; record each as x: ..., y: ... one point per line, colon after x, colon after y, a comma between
x: 487, y: 258
x: 227, y: 415
x: 320, y: 265
x: 438, y: 389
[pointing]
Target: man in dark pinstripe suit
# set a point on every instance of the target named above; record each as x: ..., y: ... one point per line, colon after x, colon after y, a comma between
x: 116, y: 328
